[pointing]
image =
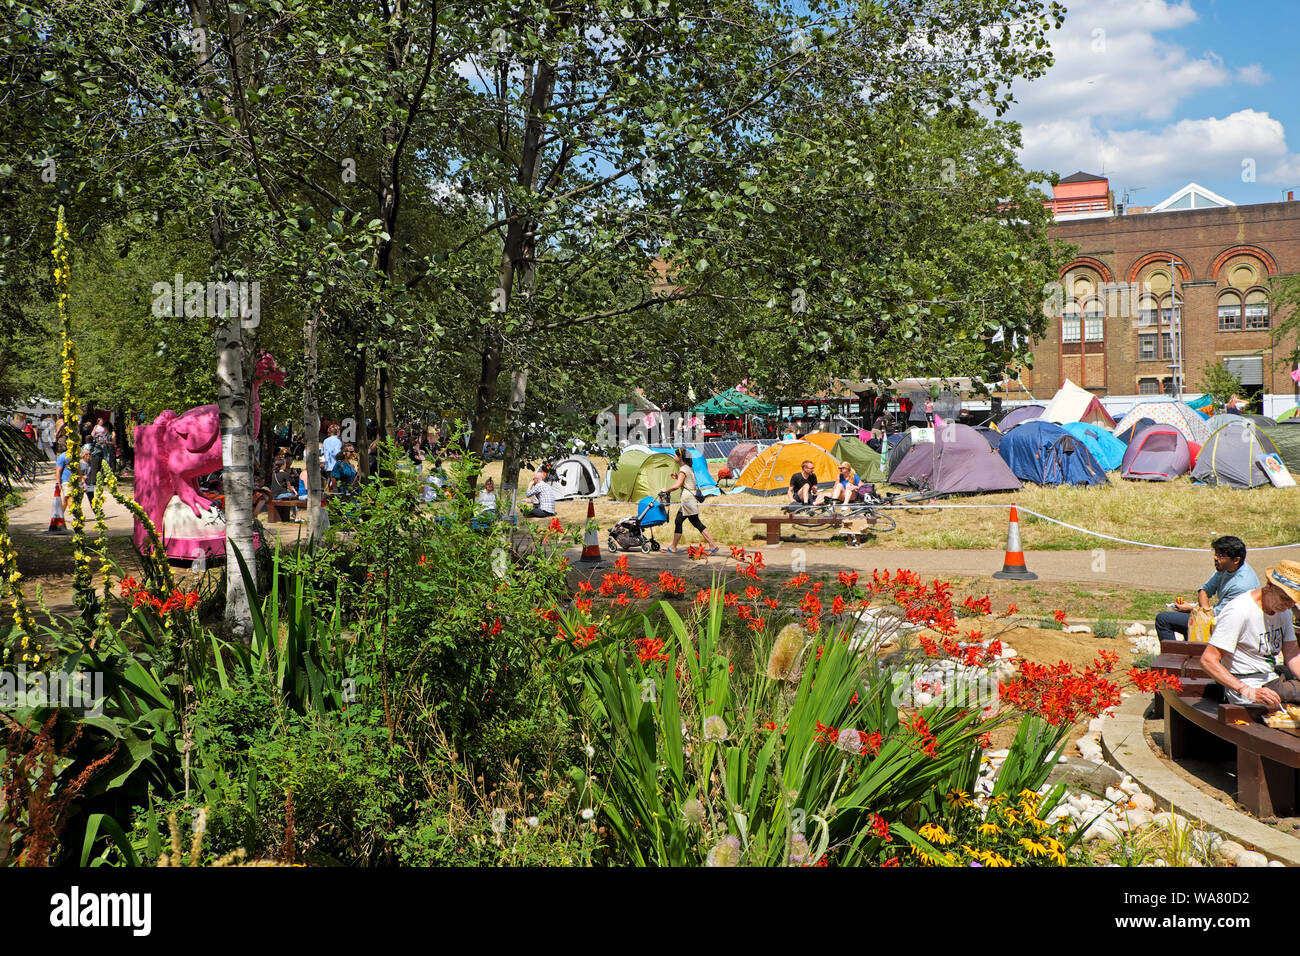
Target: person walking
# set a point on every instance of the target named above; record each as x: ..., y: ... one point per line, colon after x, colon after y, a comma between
x: 689, y: 509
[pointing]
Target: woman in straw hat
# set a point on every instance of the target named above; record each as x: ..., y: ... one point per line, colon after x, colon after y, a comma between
x: 1249, y: 632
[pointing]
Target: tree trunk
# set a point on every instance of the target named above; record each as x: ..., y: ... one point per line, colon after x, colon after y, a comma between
x: 311, y: 424
x: 236, y: 473
x: 514, y: 433
x: 359, y: 414
x: 489, y: 372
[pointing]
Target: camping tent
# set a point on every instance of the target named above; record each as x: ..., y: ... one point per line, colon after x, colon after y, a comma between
x: 990, y: 435
x: 1105, y: 447
x: 826, y: 441
x: 1074, y: 404
x: 771, y: 470
x: 864, y: 459
x: 1286, y: 440
x: 1185, y: 419
x: 1229, y: 456
x: 641, y: 471
x: 1289, y: 413
x: 741, y: 455
x: 1017, y: 415
x: 575, y: 477
x: 901, y: 444
x: 1045, y: 453
x: 958, y: 461
x: 1218, y: 421
x: 1158, y: 453
x: 733, y: 402
x: 699, y: 465
x: 1203, y: 405
x: 1126, y: 436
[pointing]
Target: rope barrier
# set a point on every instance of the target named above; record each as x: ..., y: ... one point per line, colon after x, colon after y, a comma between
x: 1022, y: 510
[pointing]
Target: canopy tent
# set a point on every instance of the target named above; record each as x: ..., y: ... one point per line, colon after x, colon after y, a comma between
x: 770, y: 471
x: 1017, y: 415
x: 1158, y: 453
x: 1105, y: 447
x: 1286, y: 439
x: 958, y: 461
x: 575, y: 477
x: 1177, y: 414
x: 640, y: 472
x: 734, y: 402
x: 699, y: 465
x: 1229, y: 456
x: 1074, y: 404
x: 1046, y: 454
x: 864, y: 459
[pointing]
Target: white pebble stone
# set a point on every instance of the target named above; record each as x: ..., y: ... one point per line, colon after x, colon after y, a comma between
x: 1230, y: 850
x: 1251, y: 858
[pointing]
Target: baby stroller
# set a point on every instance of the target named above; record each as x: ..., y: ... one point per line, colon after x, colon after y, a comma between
x: 629, y: 534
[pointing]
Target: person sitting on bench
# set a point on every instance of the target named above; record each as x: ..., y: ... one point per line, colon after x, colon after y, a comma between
x: 1232, y: 577
x: 1249, y: 632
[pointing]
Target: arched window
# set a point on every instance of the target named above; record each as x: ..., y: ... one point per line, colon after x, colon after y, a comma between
x: 1171, y: 308
x: 1093, y: 321
x: 1148, y: 309
x: 1229, y: 312
x: 1257, y: 309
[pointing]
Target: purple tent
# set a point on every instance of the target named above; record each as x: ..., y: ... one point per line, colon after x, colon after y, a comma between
x: 1017, y: 415
x: 1158, y: 453
x: 959, y: 461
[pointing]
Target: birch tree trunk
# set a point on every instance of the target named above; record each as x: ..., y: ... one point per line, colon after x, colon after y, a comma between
x: 236, y: 473
x: 311, y: 424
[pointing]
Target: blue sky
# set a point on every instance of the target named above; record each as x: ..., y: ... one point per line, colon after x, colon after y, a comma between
x: 1159, y: 93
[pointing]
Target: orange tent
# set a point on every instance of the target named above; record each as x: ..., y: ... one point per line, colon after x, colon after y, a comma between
x: 770, y: 472
x: 823, y: 440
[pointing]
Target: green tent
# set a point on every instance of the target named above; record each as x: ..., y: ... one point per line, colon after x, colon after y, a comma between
x: 864, y: 461
x: 640, y: 473
x: 733, y: 402
x: 1287, y: 440
x: 1289, y: 413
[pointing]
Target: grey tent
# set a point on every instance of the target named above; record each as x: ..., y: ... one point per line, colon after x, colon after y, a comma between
x: 958, y: 461
x: 1230, y: 456
x: 575, y: 477
x: 1286, y: 439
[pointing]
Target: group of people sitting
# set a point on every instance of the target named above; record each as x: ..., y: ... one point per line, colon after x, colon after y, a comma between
x: 1253, y: 623
x: 845, y: 489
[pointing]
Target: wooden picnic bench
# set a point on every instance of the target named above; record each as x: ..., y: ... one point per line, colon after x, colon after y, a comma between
x: 774, y: 523
x: 1198, y: 725
x: 288, y: 504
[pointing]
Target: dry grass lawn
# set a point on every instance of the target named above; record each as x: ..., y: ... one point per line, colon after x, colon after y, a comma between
x: 1169, y: 513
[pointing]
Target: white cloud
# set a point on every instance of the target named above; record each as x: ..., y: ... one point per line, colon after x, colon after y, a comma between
x: 1112, y: 71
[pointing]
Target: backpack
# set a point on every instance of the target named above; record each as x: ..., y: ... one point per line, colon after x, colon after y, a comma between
x: 30, y: 432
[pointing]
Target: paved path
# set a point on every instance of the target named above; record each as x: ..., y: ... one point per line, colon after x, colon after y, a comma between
x: 1151, y: 570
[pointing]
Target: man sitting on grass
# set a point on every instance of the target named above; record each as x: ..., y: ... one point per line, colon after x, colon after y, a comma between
x: 1248, y: 634
x: 1232, y: 577
x: 803, y: 489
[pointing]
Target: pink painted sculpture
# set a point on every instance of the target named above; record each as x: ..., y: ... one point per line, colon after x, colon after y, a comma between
x: 170, y: 455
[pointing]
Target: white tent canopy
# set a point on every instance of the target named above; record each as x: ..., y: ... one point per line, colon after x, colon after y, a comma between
x: 1074, y: 404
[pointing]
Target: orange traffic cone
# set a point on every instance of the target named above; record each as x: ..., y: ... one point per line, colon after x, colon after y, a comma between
x: 57, y: 524
x: 591, y: 540
x: 1013, y: 566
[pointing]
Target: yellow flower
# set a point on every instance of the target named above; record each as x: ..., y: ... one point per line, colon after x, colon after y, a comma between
x: 1035, y: 849
x: 988, y: 829
x: 935, y: 834
x: 993, y: 859
x: 958, y: 798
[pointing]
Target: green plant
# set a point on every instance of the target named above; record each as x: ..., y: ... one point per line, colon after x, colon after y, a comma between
x: 1106, y: 627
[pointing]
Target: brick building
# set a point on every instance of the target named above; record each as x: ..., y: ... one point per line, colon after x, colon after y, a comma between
x: 1115, y: 317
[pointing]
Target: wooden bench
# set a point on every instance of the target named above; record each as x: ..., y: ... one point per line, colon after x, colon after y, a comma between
x: 1267, y: 759
x: 774, y: 523
x: 288, y: 504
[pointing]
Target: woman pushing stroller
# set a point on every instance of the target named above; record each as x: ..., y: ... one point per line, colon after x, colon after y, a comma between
x: 690, y: 504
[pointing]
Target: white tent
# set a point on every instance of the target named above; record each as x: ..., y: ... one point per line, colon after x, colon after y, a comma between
x: 575, y: 477
x: 1074, y: 404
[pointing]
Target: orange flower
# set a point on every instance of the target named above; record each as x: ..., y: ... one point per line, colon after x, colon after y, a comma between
x: 555, y: 525
x: 1059, y: 615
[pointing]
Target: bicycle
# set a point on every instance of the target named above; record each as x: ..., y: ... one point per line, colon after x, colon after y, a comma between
x: 858, y: 510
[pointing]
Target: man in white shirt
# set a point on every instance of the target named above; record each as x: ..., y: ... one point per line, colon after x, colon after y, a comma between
x: 1249, y: 631
x: 330, y: 448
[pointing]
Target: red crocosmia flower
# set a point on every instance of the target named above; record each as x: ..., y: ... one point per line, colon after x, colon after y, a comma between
x: 606, y: 588
x: 848, y: 579
x: 854, y: 701
x: 129, y: 584
x: 1059, y: 615
x: 640, y: 588
x: 752, y: 593
x: 771, y: 603
x: 743, y: 612
x: 703, y: 596
x: 696, y: 552
x: 929, y: 646
x: 1149, y: 682
x: 756, y: 559
x: 737, y: 553
x: 649, y: 650
x: 620, y: 563
x: 584, y: 585
x: 880, y: 827
x: 422, y: 560
x: 730, y: 600
x: 555, y: 525
x: 870, y: 742
x: 892, y: 861
x: 748, y: 571
x: 583, y: 605
x: 622, y: 600
x: 756, y: 624
x: 1012, y: 609
x: 191, y: 601
x: 837, y: 605
x: 797, y: 582
x: 583, y: 636
x: 770, y: 725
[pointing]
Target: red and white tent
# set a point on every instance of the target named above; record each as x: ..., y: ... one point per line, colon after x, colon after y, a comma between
x: 1074, y: 404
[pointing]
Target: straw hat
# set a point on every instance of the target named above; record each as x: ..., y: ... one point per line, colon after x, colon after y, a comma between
x: 1286, y: 576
